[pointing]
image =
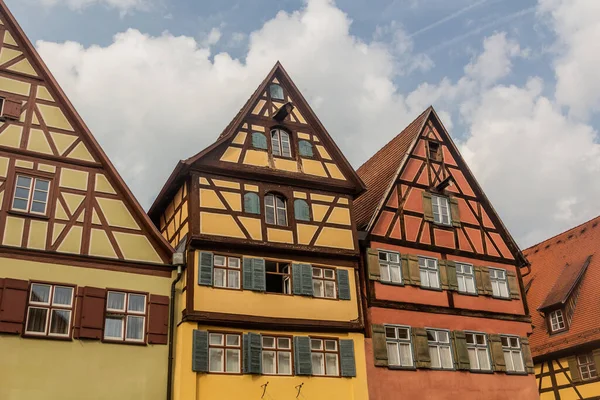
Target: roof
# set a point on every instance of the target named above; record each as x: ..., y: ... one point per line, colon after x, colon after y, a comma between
x: 379, y: 172
x: 557, y: 264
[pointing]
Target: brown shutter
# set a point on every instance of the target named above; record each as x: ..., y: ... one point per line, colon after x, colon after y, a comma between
x: 427, y: 207
x: 526, y: 350
x: 513, y: 284
x: 451, y: 272
x: 413, y: 270
x: 373, y: 264
x: 89, y: 321
x: 497, y: 352
x: 13, y: 305
x: 421, y: 346
x: 574, y: 368
x: 405, y: 270
x: 461, y: 352
x: 443, y: 274
x: 487, y: 283
x: 454, y: 212
x: 596, y: 356
x: 11, y: 109
x: 158, y: 325
x: 379, y: 345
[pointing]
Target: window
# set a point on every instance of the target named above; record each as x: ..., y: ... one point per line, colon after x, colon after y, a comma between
x: 259, y: 140
x: 276, y: 92
x: 275, y: 210
x: 324, y: 357
x: 439, y: 349
x: 512, y: 354
x: 226, y: 272
x: 305, y: 148
x: 49, y: 310
x: 125, y: 317
x: 434, y: 151
x: 301, y: 210
x: 278, y: 277
x: 323, y: 280
x: 499, y: 283
x: 251, y: 203
x: 465, y: 278
x: 587, y: 366
x: 478, y: 351
x: 276, y: 355
x: 224, y: 353
x: 557, y: 322
x: 389, y: 267
x: 31, y: 195
x: 398, y: 344
x: 441, y: 210
x: 280, y: 143
x: 429, y: 272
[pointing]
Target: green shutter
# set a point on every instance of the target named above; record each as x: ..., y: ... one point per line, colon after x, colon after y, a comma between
x: 427, y: 207
x: 259, y: 279
x: 205, y: 268
x: 443, y: 274
x: 379, y: 345
x: 513, y: 285
x: 373, y: 264
x: 259, y: 140
x: 301, y: 210
x: 305, y: 148
x: 454, y: 212
x: 302, y: 279
x: 497, y: 352
x: 251, y: 203
x: 461, y: 353
x: 421, y: 348
x: 302, y: 356
x: 451, y: 272
x: 526, y: 350
x: 414, y: 272
x: 248, y: 273
x: 596, y: 355
x: 200, y: 351
x: 297, y: 279
x: 487, y: 283
x: 252, y: 353
x: 347, y: 363
x: 343, y: 284
x: 574, y: 368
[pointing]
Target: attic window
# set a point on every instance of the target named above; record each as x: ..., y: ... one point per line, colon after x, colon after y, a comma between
x: 434, y: 151
x: 276, y: 92
x: 557, y: 320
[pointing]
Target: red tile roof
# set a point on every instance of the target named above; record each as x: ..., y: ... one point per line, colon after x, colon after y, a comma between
x: 565, y: 284
x: 554, y: 263
x: 379, y: 171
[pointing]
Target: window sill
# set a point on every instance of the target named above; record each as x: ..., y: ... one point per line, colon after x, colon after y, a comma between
x: 328, y: 376
x: 47, y: 337
x: 224, y: 287
x: 401, y: 284
x: 224, y: 373
x: 400, y: 368
x: 524, y: 373
x: 110, y: 341
x: 431, y: 288
x: 468, y: 293
x: 481, y: 371
x: 502, y: 298
x: 28, y: 215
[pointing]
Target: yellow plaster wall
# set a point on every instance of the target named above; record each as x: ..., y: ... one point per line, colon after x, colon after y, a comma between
x: 313, y: 167
x: 336, y: 238
x: 136, y: 247
x: 280, y: 235
x: 286, y: 165
x: 257, y: 158
x: 220, y: 224
x: 116, y: 213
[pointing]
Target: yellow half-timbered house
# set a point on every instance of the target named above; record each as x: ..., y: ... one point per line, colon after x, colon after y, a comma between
x: 270, y: 303
x: 84, y: 275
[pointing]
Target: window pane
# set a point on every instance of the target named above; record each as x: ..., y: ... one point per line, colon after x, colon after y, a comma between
x: 233, y: 340
x: 41, y: 184
x: 330, y: 290
x: 137, y: 303
x: 19, y: 204
x: 390, y: 332
x: 517, y: 360
x: 473, y: 358
x: 59, y: 322
x: 36, y: 321
x: 435, y: 357
x: 318, y: 288
x: 281, y: 217
x: 22, y: 193
x: 508, y: 361
x: 424, y: 278
x: 403, y: 333
x: 268, y: 362
x: 331, y: 345
x: 318, y: 366
x: 40, y: 293
x: 38, y: 207
x: 219, y: 261
x: 446, y: 357
x: 269, y: 215
x: 215, y: 360
x: 431, y: 336
x: 24, y: 181
x: 268, y: 342
x: 216, y: 339
x: 284, y: 343
x: 514, y: 342
x: 442, y: 336
x: 113, y: 328
x: 331, y: 361
x: 317, y: 272
x: 392, y: 351
x: 62, y: 296
x: 233, y: 360
x: 433, y: 279
x: 234, y: 262
x: 135, y: 327
x: 285, y: 362
x: 470, y: 283
x: 276, y: 92
x: 480, y: 339
x: 385, y: 273
x: 233, y: 279
x: 405, y: 355
x: 115, y: 301
x: 329, y: 273
x: 503, y: 289
x: 40, y: 196
x: 395, y: 273
x: 316, y: 344
x: 484, y: 361
x: 219, y: 279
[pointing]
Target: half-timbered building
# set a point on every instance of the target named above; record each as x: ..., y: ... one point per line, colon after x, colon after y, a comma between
x: 446, y: 314
x: 562, y: 292
x: 84, y: 274
x: 269, y: 306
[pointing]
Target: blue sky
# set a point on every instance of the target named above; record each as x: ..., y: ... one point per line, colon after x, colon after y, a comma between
x: 513, y: 81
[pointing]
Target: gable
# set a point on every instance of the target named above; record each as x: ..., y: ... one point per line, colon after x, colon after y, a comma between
x: 90, y: 210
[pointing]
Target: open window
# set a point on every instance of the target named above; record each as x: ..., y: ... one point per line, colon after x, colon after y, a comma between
x: 278, y: 277
x: 434, y: 151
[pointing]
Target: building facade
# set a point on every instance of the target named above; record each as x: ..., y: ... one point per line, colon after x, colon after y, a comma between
x: 562, y: 292
x: 269, y: 306
x: 446, y: 315
x: 84, y: 275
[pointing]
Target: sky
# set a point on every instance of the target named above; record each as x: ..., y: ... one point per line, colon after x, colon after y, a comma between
x: 514, y: 81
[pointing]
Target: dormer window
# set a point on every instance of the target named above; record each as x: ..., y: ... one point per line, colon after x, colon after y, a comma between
x: 557, y: 320
x: 433, y: 151
x: 275, y: 210
x: 276, y: 92
x: 280, y: 143
x: 441, y: 210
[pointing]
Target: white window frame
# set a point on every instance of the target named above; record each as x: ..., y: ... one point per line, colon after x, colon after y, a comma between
x: 396, y: 342
x: 50, y: 306
x: 279, y: 140
x: 278, y: 349
x: 124, y: 314
x: 271, y: 202
x: 31, y: 190
x: 324, y: 351
x: 509, y: 348
x: 462, y: 276
x: 427, y: 268
x: 557, y: 320
x: 437, y: 344
x: 477, y: 347
x: 226, y: 267
x: 391, y: 261
x: 499, y: 280
x: 587, y: 368
x: 224, y: 346
x: 440, y: 206
x: 320, y: 274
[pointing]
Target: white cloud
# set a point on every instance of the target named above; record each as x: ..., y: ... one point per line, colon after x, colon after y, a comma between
x: 123, y: 6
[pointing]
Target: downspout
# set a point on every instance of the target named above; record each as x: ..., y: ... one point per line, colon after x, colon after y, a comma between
x: 171, y: 333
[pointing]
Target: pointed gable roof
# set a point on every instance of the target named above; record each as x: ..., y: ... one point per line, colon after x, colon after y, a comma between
x: 39, y: 70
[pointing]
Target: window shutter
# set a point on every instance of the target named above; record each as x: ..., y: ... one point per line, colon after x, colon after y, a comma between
x: 413, y: 270
x: 259, y: 279
x: 443, y: 274
x: 478, y: 280
x: 251, y: 203
x: 421, y: 347
x: 497, y: 352
x: 574, y: 369
x: 427, y: 207
x: 205, y: 268
x: 373, y: 264
x: 343, y: 284
x: 302, y: 356
x: 485, y: 278
x: 248, y: 273
x: 526, y: 350
x: 405, y: 270
x: 200, y: 351
x: 13, y: 305
x: 379, y: 345
x: 305, y: 148
x: 12, y: 109
x: 596, y: 355
x: 301, y: 210
x: 307, y: 286
x: 158, y: 319
x: 259, y: 141
x: 297, y: 279
x: 454, y: 212
x: 513, y: 284
x: 89, y: 321
x: 451, y: 272
x: 253, y: 353
x: 347, y: 363
x: 461, y: 354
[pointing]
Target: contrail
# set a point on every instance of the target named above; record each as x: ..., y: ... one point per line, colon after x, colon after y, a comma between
x: 449, y: 17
